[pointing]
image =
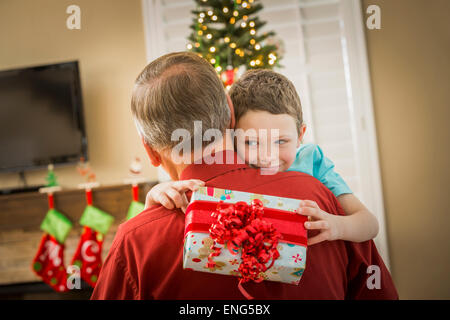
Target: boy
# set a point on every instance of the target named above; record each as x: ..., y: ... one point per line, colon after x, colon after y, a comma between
x: 266, y: 100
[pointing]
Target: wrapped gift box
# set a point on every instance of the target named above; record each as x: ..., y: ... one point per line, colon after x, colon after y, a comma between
x: 279, y: 211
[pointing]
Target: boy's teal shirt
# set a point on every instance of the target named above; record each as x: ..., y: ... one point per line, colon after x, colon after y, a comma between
x: 311, y: 160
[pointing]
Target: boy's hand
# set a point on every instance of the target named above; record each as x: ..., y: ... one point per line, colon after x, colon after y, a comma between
x: 172, y: 194
x: 329, y: 224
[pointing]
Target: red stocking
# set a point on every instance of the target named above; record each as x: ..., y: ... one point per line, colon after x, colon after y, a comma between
x: 49, y: 260
x: 49, y: 263
x: 88, y: 256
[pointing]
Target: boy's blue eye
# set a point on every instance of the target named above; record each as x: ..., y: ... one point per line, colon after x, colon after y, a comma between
x: 251, y: 143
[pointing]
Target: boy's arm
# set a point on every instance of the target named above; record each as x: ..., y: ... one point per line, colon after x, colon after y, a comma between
x: 360, y: 224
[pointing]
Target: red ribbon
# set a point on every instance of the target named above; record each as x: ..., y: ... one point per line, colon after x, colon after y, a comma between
x: 51, y: 203
x: 88, y: 193
x: 290, y: 225
x: 241, y: 226
x: 135, y: 189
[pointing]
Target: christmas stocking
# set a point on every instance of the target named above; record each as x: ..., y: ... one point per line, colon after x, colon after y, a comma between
x: 49, y: 260
x: 136, y: 207
x: 88, y: 256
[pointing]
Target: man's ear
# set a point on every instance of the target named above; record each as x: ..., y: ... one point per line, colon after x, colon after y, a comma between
x: 154, y: 156
x: 232, y: 118
x: 301, y: 135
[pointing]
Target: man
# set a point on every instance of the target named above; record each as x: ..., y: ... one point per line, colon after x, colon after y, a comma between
x: 145, y: 259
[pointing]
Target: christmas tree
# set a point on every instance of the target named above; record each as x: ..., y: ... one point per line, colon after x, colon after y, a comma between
x: 225, y: 32
x: 51, y: 177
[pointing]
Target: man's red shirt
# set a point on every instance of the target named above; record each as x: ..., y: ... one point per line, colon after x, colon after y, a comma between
x: 145, y: 259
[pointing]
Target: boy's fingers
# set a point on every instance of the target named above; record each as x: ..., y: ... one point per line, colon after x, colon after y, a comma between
x: 186, y: 185
x: 307, y: 211
x: 317, y: 225
x: 175, y: 196
x: 308, y: 203
x: 317, y: 239
x: 185, y: 202
x: 165, y: 201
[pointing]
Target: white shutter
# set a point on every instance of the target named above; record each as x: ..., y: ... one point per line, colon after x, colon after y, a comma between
x: 314, y: 61
x: 319, y: 37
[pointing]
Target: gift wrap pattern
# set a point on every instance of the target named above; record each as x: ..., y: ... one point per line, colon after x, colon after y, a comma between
x: 288, y: 268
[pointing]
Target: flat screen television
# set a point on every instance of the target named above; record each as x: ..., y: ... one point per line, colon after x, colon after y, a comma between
x: 41, y: 117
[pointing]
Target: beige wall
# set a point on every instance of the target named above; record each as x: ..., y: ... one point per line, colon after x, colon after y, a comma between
x: 410, y: 72
x: 110, y: 48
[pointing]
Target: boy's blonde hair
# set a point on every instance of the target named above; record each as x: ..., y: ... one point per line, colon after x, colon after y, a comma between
x: 172, y: 92
x: 266, y: 90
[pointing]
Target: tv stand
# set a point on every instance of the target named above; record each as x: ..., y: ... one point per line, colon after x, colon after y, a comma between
x: 21, y: 189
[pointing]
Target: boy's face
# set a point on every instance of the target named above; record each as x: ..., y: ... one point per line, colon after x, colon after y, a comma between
x: 267, y: 140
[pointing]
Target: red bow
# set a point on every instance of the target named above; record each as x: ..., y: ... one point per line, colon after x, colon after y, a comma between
x: 241, y: 226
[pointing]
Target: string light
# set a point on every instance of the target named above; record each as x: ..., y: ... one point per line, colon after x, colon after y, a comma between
x: 200, y: 20
x: 243, y: 24
x: 258, y: 62
x: 257, y: 46
x: 226, y: 39
x: 209, y: 36
x: 200, y: 32
x: 233, y: 45
x: 244, y: 5
x: 272, y: 57
x: 251, y: 24
x: 225, y: 10
x: 213, y: 60
x: 204, y: 27
x: 235, y: 13
x: 202, y: 14
x: 232, y: 20
x: 189, y: 46
x: 252, y: 32
x: 245, y: 18
x: 214, y: 18
x: 252, y: 63
x: 197, y: 44
x: 210, y: 13
x: 252, y: 41
x: 212, y: 49
x: 219, y: 68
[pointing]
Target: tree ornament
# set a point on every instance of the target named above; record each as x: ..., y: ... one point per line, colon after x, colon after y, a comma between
x: 51, y: 177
